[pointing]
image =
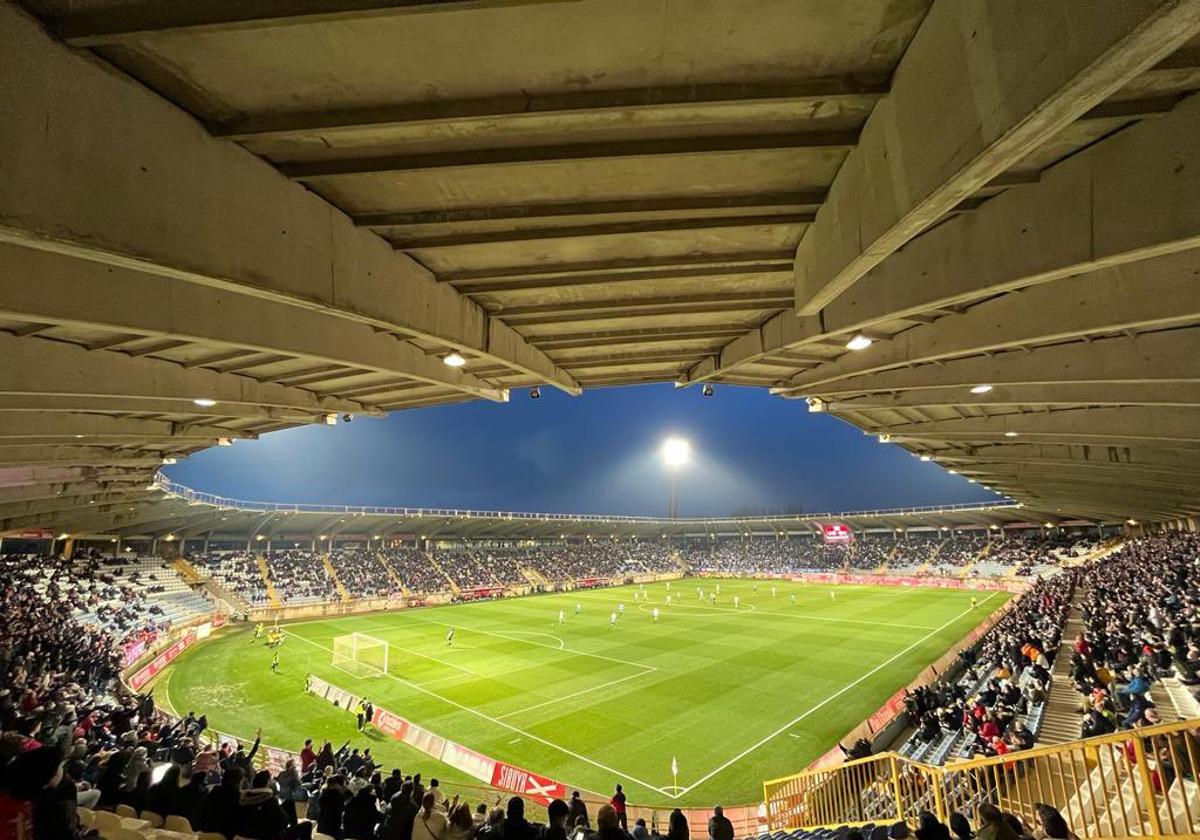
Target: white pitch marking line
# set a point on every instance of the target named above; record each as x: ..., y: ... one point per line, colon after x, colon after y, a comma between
x: 828, y: 699
x: 575, y: 694
x: 498, y: 722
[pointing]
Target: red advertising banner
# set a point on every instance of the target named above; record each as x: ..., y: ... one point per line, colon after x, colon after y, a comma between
x: 481, y: 593
x: 538, y: 788
x: 139, y: 680
x: 390, y: 724
x: 218, y: 620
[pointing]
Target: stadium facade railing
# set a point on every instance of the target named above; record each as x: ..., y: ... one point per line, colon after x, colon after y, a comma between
x: 1137, y: 783
x: 198, y: 497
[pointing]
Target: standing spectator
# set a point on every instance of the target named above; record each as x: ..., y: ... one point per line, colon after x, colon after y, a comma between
x: 516, y: 827
x: 291, y: 790
x: 607, y: 825
x: 307, y: 756
x: 462, y: 826
x: 362, y: 815
x: 332, y: 804
x: 719, y: 826
x: 430, y: 823
x: 579, y: 810
x: 401, y: 811
x: 557, y: 814
x: 677, y: 826
x: 618, y: 804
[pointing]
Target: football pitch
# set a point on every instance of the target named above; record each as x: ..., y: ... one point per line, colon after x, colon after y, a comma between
x: 734, y: 695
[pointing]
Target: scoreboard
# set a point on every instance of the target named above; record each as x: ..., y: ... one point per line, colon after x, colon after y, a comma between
x: 837, y: 534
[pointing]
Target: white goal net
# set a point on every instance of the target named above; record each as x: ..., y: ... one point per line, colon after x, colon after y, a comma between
x: 360, y: 655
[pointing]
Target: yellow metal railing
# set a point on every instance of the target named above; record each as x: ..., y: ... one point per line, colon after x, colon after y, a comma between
x: 1139, y: 783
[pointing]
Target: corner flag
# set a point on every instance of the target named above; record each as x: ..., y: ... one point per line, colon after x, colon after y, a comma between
x: 675, y: 771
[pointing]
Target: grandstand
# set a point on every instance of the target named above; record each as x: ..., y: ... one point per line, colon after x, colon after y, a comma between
x: 968, y: 229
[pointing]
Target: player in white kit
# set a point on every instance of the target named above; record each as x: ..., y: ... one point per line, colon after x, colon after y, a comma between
x: 621, y: 609
x: 737, y: 602
x: 561, y: 616
x: 654, y: 613
x: 612, y: 620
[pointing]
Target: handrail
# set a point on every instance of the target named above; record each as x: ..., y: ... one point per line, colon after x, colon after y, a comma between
x: 199, y: 497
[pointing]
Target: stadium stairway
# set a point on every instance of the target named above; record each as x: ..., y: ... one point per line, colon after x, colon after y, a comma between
x: 191, y: 576
x: 923, y: 569
x: 342, y: 592
x: 432, y: 562
x: 391, y: 573
x: 265, y: 572
x: 1061, y: 722
x: 535, y: 577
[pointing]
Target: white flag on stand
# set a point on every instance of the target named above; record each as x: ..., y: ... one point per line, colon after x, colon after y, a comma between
x: 674, y: 766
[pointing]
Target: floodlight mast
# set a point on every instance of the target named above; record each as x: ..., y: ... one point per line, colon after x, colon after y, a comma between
x: 675, y: 452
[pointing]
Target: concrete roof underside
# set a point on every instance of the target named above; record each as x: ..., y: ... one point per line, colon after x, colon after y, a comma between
x: 296, y: 209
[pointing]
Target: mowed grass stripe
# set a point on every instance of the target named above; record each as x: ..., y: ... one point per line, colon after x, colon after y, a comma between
x: 725, y: 679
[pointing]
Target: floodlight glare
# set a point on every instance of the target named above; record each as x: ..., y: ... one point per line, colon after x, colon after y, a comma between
x: 675, y: 451
x: 859, y: 342
x: 204, y: 402
x: 454, y: 359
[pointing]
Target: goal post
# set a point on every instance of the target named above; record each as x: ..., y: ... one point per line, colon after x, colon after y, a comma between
x: 360, y: 655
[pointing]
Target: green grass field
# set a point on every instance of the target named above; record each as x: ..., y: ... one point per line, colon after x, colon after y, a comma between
x: 736, y: 695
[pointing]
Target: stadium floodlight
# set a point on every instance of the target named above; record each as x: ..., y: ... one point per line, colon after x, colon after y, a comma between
x: 204, y: 402
x: 168, y: 461
x: 454, y: 359
x: 859, y: 342
x: 924, y: 457
x: 1011, y: 434
x: 675, y: 451
x: 981, y: 389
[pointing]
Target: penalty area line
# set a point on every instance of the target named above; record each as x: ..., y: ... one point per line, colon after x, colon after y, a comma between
x: 828, y: 700
x: 501, y: 723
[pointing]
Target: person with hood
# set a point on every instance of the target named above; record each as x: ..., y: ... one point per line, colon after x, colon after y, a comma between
x: 362, y: 814
x: 112, y: 778
x: 430, y: 823
x: 259, y: 815
x: 1053, y: 826
x: 398, y: 819
x: 961, y: 827
x: 578, y: 809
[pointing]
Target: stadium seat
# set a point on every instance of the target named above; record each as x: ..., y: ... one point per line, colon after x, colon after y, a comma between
x: 87, y: 817
x: 155, y: 820
x: 214, y: 835
x: 125, y: 811
x: 176, y: 823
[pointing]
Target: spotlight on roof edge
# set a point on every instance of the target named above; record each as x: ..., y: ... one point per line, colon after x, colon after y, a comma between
x: 981, y: 389
x: 859, y: 342
x: 204, y: 402
x: 454, y: 359
x: 675, y: 451
x: 925, y: 458
x: 885, y: 438
x: 815, y: 404
x: 1011, y: 434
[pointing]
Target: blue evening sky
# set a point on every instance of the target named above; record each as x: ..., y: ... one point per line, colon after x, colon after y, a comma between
x: 596, y: 453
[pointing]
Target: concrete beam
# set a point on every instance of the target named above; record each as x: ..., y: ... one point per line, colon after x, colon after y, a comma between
x: 37, y: 367
x: 1119, y: 201
x: 567, y: 312
x: 1097, y: 425
x: 56, y: 289
x: 38, y: 424
x: 409, y: 242
x: 739, y: 144
x: 1013, y: 396
x: 120, y: 23
x: 1091, y: 303
x: 126, y: 179
x: 838, y: 92
x: 1145, y: 360
x: 767, y: 202
x: 1003, y: 80
x: 78, y: 456
x: 71, y: 403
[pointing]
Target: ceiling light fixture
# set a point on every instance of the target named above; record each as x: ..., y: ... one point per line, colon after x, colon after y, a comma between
x: 1011, y: 434
x: 859, y: 342
x: 454, y: 359
x: 204, y: 402
x: 981, y: 389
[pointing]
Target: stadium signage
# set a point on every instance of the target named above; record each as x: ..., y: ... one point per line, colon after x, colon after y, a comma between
x: 837, y: 533
x: 139, y: 679
x: 538, y: 788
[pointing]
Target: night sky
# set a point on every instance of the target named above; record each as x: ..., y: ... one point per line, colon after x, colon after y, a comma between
x: 597, y: 453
